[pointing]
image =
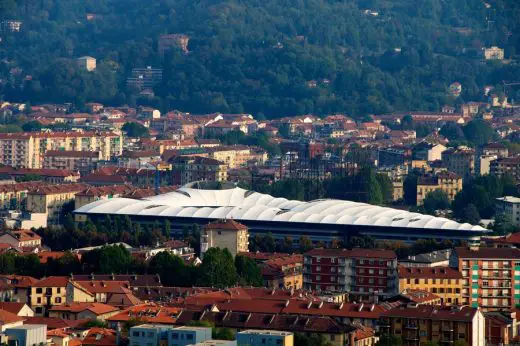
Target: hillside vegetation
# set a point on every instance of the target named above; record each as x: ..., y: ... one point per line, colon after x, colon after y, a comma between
x: 257, y: 56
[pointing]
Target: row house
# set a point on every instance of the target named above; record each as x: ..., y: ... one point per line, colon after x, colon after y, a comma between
x: 366, y: 274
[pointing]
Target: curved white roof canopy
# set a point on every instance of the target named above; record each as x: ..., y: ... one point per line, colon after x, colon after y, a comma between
x: 241, y: 204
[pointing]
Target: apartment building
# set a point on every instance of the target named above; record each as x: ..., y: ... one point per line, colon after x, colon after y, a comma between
x: 47, y: 293
x: 51, y: 199
x: 490, y: 277
x: 448, y: 182
x: 444, y: 282
x: 83, y: 162
x: 506, y: 166
x: 444, y: 325
x: 225, y: 234
x: 236, y: 156
x: 13, y: 196
x: 28, y: 149
x: 497, y: 149
x: 460, y: 160
x: 195, y: 168
x: 283, y: 272
x: 365, y: 273
x: 509, y: 206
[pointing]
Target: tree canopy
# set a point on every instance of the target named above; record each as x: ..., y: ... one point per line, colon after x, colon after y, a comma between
x: 265, y: 57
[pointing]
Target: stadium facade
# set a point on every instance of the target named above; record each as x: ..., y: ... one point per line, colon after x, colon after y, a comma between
x: 321, y: 220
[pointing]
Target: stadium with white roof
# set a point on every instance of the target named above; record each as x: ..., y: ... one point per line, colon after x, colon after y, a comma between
x: 321, y: 220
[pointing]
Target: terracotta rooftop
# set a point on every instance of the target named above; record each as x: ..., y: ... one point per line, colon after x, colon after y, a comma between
x: 487, y: 252
x: 96, y: 308
x: 12, y: 307
x: 428, y: 273
x: 54, y: 322
x: 149, y: 313
x: 135, y: 280
x: 433, y: 312
x: 419, y: 296
x: 7, y: 317
x: 58, y: 189
x: 52, y: 281
x: 226, y: 224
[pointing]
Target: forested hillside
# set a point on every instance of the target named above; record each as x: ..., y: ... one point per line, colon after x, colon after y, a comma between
x: 261, y: 56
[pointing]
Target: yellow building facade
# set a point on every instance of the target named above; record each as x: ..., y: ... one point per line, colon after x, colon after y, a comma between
x: 444, y: 282
x: 450, y: 183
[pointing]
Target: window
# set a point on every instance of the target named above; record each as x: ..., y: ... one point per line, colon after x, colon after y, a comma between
x: 175, y: 336
x: 150, y: 334
x: 57, y: 300
x: 39, y: 300
x: 278, y: 341
x: 332, y: 337
x: 189, y: 337
x: 134, y: 333
x: 39, y: 290
x: 58, y: 290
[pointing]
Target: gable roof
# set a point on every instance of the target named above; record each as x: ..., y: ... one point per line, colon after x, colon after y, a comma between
x: 7, y: 317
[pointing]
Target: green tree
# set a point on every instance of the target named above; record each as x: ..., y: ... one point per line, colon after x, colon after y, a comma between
x: 248, y: 271
x: 305, y: 243
x: 470, y: 214
x: 436, y: 200
x: 171, y: 269
x: 133, y: 129
x: 32, y: 126
x: 217, y: 269
x: 503, y: 224
x: 479, y: 132
x: 386, y: 186
x: 389, y: 340
x: 310, y: 339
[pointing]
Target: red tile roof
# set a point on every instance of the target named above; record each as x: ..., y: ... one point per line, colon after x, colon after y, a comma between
x: 428, y: 272
x: 149, y: 313
x: 434, y: 312
x: 491, y: 253
x: 100, y: 337
x: 54, y: 322
x: 12, y: 307
x: 102, y: 286
x: 227, y: 224
x: 96, y: 308
x: 7, y: 317
x: 52, y: 281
